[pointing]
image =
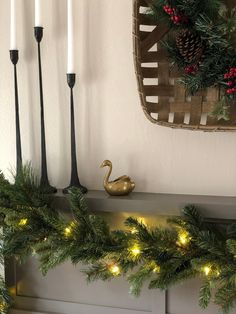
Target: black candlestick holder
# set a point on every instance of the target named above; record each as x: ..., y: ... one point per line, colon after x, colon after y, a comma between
x: 74, y: 181
x: 44, y: 182
x: 14, y: 56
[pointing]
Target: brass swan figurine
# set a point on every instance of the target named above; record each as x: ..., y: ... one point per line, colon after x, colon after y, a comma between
x: 119, y: 187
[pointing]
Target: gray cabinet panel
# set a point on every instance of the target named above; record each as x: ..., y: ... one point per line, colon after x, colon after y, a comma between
x: 65, y: 291
x: 184, y: 299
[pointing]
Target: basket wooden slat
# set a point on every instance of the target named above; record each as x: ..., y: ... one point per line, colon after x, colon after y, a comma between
x: 164, y: 100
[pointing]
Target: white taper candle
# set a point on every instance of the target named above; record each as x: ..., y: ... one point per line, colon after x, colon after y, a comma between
x: 70, y: 38
x: 13, y: 45
x: 38, y: 17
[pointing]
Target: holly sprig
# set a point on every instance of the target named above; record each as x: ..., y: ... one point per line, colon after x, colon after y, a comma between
x: 186, y: 11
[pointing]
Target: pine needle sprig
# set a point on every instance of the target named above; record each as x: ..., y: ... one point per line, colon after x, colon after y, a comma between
x: 205, y: 294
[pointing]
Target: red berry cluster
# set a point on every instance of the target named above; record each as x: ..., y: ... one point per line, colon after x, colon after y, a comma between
x: 191, y: 69
x: 174, y: 15
x: 230, y: 76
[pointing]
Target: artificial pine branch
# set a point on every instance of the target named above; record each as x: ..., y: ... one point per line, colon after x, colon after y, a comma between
x: 137, y: 279
x: 6, y: 300
x: 231, y: 246
x: 231, y: 231
x: 161, y: 256
x: 226, y: 297
x: 205, y: 294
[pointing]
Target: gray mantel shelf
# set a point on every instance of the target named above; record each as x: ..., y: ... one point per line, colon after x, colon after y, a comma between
x: 213, y: 207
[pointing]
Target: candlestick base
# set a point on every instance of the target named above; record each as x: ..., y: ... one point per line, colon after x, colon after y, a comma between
x: 38, y: 33
x: 82, y: 188
x: 47, y: 188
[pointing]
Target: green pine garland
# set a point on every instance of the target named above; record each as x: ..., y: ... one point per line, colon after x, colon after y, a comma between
x: 215, y: 25
x: 161, y: 256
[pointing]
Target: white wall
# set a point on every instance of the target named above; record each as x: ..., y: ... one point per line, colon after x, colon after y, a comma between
x: 110, y: 121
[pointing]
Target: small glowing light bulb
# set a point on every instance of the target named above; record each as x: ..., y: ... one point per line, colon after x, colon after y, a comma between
x: 142, y: 220
x: 23, y: 222
x: 183, y: 237
x: 67, y: 231
x: 115, y: 270
x: 182, y: 240
x: 156, y: 269
x: 2, y: 306
x: 134, y: 230
x: 207, y: 270
x: 135, y: 250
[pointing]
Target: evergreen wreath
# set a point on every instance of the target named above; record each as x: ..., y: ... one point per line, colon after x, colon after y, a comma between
x: 162, y: 256
x: 202, y: 43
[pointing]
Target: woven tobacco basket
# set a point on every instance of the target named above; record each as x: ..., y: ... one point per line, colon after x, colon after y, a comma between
x: 164, y: 100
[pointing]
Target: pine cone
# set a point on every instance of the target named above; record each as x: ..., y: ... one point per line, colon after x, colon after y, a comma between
x: 190, y: 45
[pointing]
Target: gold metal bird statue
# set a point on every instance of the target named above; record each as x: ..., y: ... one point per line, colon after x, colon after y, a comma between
x: 119, y: 187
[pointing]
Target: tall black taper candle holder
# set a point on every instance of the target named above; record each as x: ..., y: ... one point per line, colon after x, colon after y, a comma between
x: 44, y: 182
x: 14, y: 56
x: 74, y: 181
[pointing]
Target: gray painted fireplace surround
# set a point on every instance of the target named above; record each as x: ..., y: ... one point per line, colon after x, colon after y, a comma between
x: 65, y: 290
